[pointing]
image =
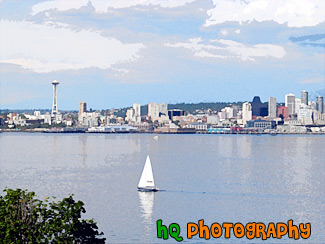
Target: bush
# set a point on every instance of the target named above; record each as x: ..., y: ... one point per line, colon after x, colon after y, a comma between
x: 25, y: 219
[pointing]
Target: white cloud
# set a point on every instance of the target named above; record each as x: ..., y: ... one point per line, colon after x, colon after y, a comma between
x: 230, y: 49
x: 248, y: 52
x: 296, y: 13
x: 102, y: 6
x: 224, y: 32
x: 313, y: 81
x: 205, y: 54
x: 46, y: 48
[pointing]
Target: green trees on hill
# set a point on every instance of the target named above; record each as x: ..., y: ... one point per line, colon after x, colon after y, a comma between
x: 25, y: 219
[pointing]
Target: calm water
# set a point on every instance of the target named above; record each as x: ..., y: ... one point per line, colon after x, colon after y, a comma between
x: 218, y: 178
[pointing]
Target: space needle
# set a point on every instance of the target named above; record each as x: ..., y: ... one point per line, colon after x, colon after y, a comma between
x: 55, y: 84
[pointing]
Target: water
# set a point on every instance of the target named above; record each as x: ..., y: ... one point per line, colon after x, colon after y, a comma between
x: 218, y: 178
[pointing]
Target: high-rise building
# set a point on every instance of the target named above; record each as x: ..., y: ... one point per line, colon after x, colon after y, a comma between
x: 290, y: 100
x: 304, y: 97
x: 297, y: 104
x: 55, y: 110
x: 153, y: 112
x: 82, y: 109
x: 320, y: 104
x: 247, y: 112
x: 156, y: 110
x: 259, y: 108
x: 133, y: 115
x: 272, y: 107
x: 137, y: 112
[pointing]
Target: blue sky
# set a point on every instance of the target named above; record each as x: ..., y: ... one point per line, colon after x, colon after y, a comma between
x: 113, y: 53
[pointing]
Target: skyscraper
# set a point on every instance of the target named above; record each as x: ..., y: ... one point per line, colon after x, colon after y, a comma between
x: 247, y: 112
x: 297, y: 104
x: 259, y: 108
x: 156, y: 110
x: 137, y: 112
x: 82, y: 109
x: 137, y: 109
x: 272, y: 107
x: 320, y: 104
x: 55, y: 83
x: 290, y: 100
x: 304, y: 97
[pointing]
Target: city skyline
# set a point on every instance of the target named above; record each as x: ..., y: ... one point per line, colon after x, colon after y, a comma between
x: 112, y: 54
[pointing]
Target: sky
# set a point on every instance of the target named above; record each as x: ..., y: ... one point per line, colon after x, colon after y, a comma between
x: 113, y: 53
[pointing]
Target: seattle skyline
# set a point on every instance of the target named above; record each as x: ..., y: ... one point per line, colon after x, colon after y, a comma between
x: 114, y: 53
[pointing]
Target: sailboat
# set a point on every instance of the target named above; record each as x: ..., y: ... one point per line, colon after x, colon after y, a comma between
x: 147, y: 182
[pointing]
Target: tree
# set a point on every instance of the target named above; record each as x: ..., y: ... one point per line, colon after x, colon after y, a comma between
x: 25, y: 219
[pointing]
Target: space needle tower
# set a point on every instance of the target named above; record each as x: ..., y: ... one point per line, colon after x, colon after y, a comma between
x: 55, y: 84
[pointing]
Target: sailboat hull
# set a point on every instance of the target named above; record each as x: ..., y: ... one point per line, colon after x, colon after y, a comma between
x: 147, y: 189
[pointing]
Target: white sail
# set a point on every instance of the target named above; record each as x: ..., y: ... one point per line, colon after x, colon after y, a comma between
x: 146, y: 180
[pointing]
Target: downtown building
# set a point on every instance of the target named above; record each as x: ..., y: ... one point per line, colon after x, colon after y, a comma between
x: 272, y: 107
x: 133, y: 115
x: 246, y: 112
x: 290, y: 102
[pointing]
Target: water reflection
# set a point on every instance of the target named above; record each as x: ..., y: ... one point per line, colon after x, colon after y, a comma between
x: 146, y: 204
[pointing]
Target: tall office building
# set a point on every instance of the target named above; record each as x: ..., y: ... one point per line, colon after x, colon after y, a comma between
x: 304, y: 97
x: 133, y: 115
x: 82, y: 109
x: 297, y: 104
x: 259, y: 108
x: 290, y: 100
x: 156, y: 110
x: 55, y: 110
x: 137, y: 112
x: 272, y: 107
x: 247, y: 112
x: 320, y: 104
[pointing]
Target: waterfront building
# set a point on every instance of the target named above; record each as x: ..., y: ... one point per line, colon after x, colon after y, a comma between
x: 55, y: 84
x: 261, y: 124
x: 272, y: 107
x: 304, y: 97
x: 197, y: 126
x: 246, y: 112
x: 290, y: 100
x: 283, y: 112
x: 304, y: 115
x: 90, y: 119
x: 259, y: 108
x: 320, y: 104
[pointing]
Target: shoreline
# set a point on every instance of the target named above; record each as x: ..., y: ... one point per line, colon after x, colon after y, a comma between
x: 152, y: 132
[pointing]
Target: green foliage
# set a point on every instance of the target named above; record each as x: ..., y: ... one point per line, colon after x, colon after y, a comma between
x: 25, y: 219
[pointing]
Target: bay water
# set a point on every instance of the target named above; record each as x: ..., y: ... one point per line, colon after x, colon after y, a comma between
x: 217, y: 178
